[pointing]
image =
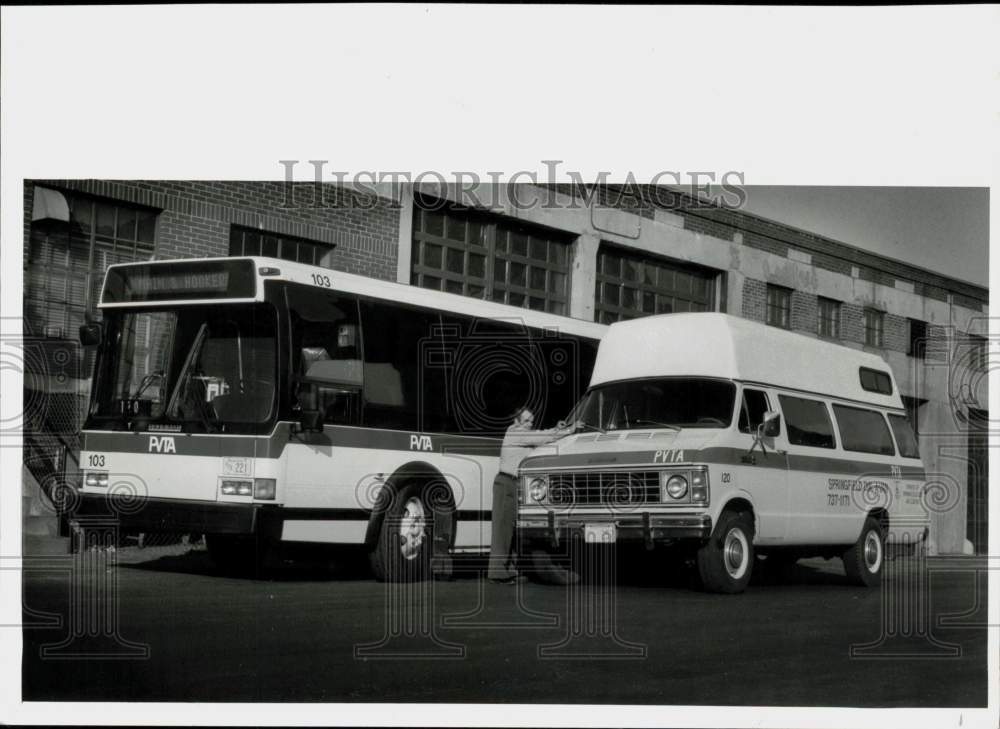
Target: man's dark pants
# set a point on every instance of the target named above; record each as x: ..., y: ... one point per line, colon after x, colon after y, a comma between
x: 504, y: 517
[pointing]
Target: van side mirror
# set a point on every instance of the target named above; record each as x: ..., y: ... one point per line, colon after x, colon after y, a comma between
x: 771, y: 425
x: 91, y: 334
x: 310, y: 421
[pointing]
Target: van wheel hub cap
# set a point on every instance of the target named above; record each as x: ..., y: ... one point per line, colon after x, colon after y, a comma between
x: 735, y: 553
x: 873, y: 552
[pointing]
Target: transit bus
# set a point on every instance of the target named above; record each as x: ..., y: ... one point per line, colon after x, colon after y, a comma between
x: 725, y: 438
x: 263, y: 402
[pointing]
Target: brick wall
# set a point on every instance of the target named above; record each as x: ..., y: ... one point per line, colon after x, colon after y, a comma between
x: 754, y: 299
x: 196, y: 217
x: 852, y: 323
x: 896, y: 333
x: 804, y: 312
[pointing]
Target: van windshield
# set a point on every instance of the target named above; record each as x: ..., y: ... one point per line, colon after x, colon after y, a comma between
x: 661, y: 402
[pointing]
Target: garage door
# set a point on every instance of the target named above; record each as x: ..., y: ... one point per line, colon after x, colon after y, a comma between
x: 631, y: 285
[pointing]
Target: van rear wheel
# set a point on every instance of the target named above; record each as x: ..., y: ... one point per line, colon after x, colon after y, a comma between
x: 863, y: 561
x: 726, y: 561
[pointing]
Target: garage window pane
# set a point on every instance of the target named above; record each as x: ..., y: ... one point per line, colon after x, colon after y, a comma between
x: 631, y: 285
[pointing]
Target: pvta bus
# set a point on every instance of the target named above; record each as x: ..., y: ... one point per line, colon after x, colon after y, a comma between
x: 725, y: 438
x: 260, y: 401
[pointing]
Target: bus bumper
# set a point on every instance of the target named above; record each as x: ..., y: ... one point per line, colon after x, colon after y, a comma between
x: 555, y: 528
x: 166, y: 515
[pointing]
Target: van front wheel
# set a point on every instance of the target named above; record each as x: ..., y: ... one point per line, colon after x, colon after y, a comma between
x: 725, y: 562
x: 864, y: 560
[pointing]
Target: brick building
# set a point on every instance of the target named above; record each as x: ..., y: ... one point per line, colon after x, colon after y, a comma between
x: 617, y: 254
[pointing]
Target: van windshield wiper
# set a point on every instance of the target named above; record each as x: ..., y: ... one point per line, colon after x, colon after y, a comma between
x: 656, y: 424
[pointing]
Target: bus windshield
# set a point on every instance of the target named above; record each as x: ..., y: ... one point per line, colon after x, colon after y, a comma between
x: 662, y: 402
x: 205, y: 368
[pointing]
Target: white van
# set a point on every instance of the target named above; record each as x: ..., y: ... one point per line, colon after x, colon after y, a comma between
x: 732, y: 438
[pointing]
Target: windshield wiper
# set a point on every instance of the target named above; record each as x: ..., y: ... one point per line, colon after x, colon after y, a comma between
x: 146, y: 382
x: 580, y: 424
x: 657, y: 424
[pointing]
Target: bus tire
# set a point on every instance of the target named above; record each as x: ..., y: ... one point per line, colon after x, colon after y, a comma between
x: 725, y: 561
x: 405, y: 543
x: 864, y: 560
x: 238, y: 555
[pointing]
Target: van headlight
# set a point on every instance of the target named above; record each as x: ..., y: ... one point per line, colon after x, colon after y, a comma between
x: 676, y: 487
x: 538, y: 488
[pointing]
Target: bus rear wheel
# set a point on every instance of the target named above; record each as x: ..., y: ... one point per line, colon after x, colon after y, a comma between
x: 726, y: 561
x: 863, y: 561
x: 403, y: 551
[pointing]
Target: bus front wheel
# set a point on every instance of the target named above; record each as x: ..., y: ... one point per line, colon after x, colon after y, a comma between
x: 403, y: 551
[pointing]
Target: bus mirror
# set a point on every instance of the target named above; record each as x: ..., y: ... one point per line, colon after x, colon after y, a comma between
x: 311, y: 421
x: 91, y: 334
x: 771, y: 425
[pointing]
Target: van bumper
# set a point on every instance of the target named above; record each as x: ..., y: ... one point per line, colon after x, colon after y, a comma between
x: 647, y: 527
x: 143, y: 514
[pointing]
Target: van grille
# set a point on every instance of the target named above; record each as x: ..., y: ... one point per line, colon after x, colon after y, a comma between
x: 613, y: 488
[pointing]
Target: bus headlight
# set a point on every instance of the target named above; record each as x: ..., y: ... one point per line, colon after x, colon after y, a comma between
x: 95, y: 479
x: 236, y: 488
x: 538, y: 488
x: 676, y: 487
x: 263, y: 488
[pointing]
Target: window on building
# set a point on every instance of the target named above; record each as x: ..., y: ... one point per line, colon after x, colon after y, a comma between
x: 467, y: 252
x: 807, y: 422
x: 630, y: 286
x: 252, y: 242
x: 752, y: 410
x: 918, y: 339
x: 828, y: 322
x: 874, y: 327
x: 978, y: 357
x: 863, y: 431
x: 66, y: 263
x: 779, y: 306
x: 906, y: 437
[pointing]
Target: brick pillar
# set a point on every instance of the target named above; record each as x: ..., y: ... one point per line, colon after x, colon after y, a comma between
x: 754, y: 299
x: 804, y: 309
x: 852, y: 323
x: 897, y: 333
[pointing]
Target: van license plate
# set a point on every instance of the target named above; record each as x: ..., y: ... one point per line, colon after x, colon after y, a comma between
x: 599, y: 533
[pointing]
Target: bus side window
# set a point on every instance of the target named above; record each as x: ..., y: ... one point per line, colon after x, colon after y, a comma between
x: 404, y: 388
x: 326, y: 354
x: 752, y: 410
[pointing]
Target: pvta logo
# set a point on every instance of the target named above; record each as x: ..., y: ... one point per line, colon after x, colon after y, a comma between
x: 162, y: 444
x: 421, y: 443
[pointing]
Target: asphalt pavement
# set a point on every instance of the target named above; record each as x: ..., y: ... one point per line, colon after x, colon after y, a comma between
x: 181, y: 631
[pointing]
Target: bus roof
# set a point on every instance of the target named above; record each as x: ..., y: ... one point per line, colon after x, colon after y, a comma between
x: 720, y: 345
x: 282, y: 270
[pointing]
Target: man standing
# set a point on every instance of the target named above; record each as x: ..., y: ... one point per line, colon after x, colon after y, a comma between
x: 518, y: 442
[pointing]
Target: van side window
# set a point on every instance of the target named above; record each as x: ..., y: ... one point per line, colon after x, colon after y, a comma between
x: 808, y: 422
x: 863, y: 431
x: 752, y: 410
x: 906, y: 439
